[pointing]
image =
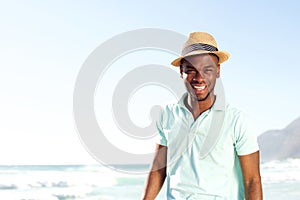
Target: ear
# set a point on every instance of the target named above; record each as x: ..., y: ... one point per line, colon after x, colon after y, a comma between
x: 180, y: 72
x: 218, y: 71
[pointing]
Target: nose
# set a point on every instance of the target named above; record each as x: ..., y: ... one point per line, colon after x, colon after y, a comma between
x: 199, y: 75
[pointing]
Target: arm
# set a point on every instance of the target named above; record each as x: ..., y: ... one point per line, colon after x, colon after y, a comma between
x: 157, y: 174
x: 251, y: 175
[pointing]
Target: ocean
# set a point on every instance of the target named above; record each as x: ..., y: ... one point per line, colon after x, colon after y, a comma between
x: 281, y: 180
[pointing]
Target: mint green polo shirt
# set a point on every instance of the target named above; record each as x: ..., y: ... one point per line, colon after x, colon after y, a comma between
x: 217, y: 175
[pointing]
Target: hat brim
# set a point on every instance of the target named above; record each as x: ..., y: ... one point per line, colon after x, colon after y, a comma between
x: 223, y: 56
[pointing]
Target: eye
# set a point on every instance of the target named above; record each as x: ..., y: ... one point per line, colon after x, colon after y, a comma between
x: 208, y: 70
x: 190, y: 71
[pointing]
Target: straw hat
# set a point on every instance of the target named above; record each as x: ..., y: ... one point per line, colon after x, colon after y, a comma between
x: 201, y: 43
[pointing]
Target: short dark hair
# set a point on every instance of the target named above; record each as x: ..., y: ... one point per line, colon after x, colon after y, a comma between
x: 215, y: 56
x: 183, y: 59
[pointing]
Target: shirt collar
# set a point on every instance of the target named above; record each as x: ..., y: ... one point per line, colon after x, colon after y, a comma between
x: 219, y: 103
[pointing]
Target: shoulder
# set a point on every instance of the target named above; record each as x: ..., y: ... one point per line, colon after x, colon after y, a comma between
x: 233, y: 110
x: 243, y: 130
x: 169, y: 113
x: 235, y: 116
x: 170, y: 107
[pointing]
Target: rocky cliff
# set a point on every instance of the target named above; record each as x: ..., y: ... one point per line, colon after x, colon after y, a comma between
x: 281, y: 144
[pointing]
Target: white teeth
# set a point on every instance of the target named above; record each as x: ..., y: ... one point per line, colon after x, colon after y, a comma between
x: 199, y: 87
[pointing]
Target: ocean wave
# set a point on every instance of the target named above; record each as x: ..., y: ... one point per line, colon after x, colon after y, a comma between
x: 8, y: 187
x: 278, y: 171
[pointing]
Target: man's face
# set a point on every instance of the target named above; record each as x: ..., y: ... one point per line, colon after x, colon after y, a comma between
x: 199, y: 73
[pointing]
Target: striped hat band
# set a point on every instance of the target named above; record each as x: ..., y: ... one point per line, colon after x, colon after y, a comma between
x: 198, y: 46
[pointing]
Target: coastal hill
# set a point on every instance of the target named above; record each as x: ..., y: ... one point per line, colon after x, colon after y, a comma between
x: 281, y: 144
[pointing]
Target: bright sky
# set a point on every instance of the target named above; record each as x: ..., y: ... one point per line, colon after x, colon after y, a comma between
x: 43, y: 45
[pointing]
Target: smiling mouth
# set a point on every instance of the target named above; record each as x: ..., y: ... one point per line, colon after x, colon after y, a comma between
x: 199, y: 88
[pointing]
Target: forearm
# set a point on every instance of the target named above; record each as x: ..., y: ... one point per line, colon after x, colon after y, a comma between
x: 154, y: 184
x: 253, y: 189
x: 251, y: 175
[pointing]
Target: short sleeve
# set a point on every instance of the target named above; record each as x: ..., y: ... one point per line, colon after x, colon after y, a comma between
x: 161, y: 137
x: 245, y: 136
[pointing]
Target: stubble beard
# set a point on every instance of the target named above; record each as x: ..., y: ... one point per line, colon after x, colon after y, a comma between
x: 203, y: 99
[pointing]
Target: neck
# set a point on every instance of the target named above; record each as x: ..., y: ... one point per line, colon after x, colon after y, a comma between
x: 198, y: 107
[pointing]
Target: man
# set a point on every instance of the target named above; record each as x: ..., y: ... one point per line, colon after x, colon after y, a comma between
x: 206, y: 148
